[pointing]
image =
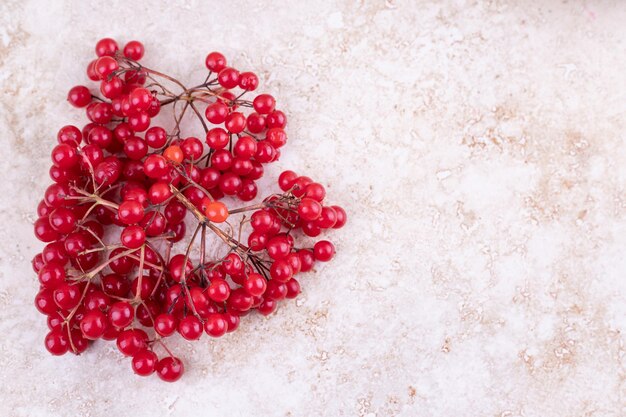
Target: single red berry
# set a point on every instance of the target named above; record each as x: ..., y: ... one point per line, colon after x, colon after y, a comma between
x: 155, y: 166
x: 275, y: 290
x: 228, y: 77
x: 216, y: 325
x: 111, y: 87
x: 264, y: 103
x: 219, y: 290
x: 106, y: 47
x: 276, y: 136
x: 144, y: 362
x: 67, y: 296
x: 342, y: 217
x: 309, y: 209
x: 235, y: 122
x: 134, y: 50
x: 255, y: 285
x: 255, y: 122
x: 131, y: 341
x: 216, y: 112
x: 51, y: 275
x: 105, y: 66
x: 323, y: 251
x: 248, y: 81
x: 57, y: 342
x: 133, y: 237
x: 93, y: 324
x: 79, y: 96
x: 217, y: 138
x: 190, y: 328
x: 192, y: 148
x: 170, y: 369
x: 278, y: 247
x: 63, y: 220
x: 130, y: 212
x: 121, y: 314
x: 156, y: 137
x: 70, y: 135
x: 215, y: 61
x: 165, y: 324
x: 293, y: 288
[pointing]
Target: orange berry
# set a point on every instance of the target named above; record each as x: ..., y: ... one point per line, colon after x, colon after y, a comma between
x: 216, y: 211
x: 173, y: 153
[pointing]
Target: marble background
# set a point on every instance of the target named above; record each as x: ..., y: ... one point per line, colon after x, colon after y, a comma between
x: 478, y: 147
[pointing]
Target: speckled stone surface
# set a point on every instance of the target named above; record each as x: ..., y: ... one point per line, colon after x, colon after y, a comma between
x: 479, y: 148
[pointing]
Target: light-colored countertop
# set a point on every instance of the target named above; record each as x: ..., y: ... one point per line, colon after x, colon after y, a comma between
x: 479, y: 148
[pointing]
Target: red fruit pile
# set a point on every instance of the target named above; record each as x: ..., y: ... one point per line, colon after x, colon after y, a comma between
x: 125, y: 190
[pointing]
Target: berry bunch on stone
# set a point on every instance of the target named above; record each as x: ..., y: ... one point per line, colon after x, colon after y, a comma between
x: 135, y: 208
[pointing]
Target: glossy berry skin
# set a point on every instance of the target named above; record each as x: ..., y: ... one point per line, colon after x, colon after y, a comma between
x: 67, y: 296
x: 190, y: 328
x: 121, y: 314
x: 121, y: 182
x: 278, y: 247
x: 57, y: 342
x: 106, y: 47
x: 309, y: 209
x: 170, y: 369
x: 131, y: 341
x: 93, y: 324
x: 133, y: 237
x: 264, y: 103
x: 79, y: 96
x: 255, y: 285
x: 248, y: 81
x: 105, y: 66
x: 165, y: 324
x: 130, y: 212
x: 144, y: 362
x: 215, y: 61
x: 216, y: 211
x: 134, y: 50
x: 219, y: 290
x: 215, y: 325
x: 342, y: 218
x: 323, y: 251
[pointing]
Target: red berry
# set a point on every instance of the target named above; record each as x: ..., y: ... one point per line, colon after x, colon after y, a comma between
x: 93, y: 324
x: 228, y: 77
x: 219, y: 290
x: 323, y: 251
x: 215, y: 325
x: 255, y: 284
x: 165, y: 324
x: 121, y: 314
x: 131, y: 341
x: 248, y: 81
x: 215, y: 61
x: 133, y: 237
x: 106, y: 47
x: 309, y: 209
x: 190, y: 328
x: 79, y: 96
x: 264, y: 103
x: 57, y: 342
x: 134, y: 50
x: 105, y: 66
x: 144, y: 362
x: 217, y: 138
x: 170, y: 369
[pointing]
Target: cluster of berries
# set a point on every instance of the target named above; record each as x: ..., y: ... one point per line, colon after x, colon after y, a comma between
x: 125, y: 191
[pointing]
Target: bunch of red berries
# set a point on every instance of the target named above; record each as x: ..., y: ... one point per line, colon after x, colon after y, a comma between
x: 125, y: 191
